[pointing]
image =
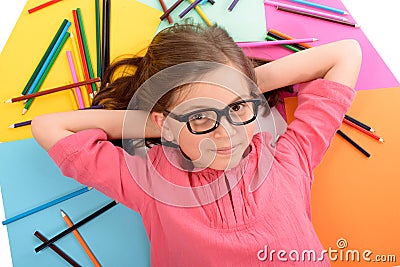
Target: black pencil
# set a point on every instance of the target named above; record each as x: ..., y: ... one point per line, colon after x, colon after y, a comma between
x: 57, y: 250
x: 317, y: 16
x: 76, y: 226
x: 359, y: 123
x: 105, y: 50
x: 169, y: 10
x: 277, y: 37
x: 348, y: 139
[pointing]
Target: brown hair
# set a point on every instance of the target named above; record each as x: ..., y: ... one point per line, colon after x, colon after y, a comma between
x: 171, y: 46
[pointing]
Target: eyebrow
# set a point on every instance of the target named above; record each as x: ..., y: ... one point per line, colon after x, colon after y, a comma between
x: 193, y: 108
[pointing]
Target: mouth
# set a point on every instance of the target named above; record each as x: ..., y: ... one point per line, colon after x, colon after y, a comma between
x: 226, y: 150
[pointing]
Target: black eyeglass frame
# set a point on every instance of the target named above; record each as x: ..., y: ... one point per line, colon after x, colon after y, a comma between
x: 219, y: 112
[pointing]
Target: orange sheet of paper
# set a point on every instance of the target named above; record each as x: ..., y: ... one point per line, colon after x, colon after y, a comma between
x: 356, y: 198
x: 132, y: 27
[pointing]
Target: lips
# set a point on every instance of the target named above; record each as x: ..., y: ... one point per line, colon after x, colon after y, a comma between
x: 226, y: 150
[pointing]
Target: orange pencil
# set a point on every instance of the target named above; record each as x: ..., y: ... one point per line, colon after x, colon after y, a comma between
x: 287, y: 37
x: 363, y: 130
x: 80, y: 239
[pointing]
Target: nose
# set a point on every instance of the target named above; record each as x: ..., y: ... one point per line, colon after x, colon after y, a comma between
x: 225, y: 129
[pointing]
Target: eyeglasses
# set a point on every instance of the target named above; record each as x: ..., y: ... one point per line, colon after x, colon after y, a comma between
x: 206, y: 120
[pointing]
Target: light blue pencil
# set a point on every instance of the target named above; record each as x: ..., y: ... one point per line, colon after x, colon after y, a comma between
x: 46, y: 63
x: 46, y: 205
x: 336, y: 10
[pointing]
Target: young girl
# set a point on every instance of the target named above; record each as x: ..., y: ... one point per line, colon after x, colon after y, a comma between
x: 214, y: 192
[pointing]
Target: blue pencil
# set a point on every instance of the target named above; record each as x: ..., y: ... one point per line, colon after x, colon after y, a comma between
x: 184, y: 12
x: 46, y: 205
x: 336, y: 10
x: 46, y: 63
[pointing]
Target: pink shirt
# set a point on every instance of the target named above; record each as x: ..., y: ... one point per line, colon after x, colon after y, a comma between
x: 243, y: 228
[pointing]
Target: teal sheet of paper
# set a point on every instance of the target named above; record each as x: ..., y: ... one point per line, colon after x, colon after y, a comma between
x: 245, y: 23
x: 29, y: 178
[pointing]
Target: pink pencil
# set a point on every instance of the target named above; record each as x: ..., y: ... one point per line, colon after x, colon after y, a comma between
x: 278, y: 42
x: 324, y: 14
x: 42, y: 6
x: 75, y: 79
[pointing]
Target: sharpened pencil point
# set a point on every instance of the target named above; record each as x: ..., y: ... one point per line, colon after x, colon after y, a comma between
x: 372, y: 130
x: 11, y: 126
x: 24, y: 111
x: 8, y: 101
x: 381, y: 140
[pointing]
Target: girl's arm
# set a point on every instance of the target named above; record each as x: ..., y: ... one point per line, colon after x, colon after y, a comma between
x: 339, y: 61
x: 49, y: 128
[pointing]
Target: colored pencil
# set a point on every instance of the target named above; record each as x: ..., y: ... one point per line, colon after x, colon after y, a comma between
x: 46, y: 205
x: 277, y: 42
x: 306, y: 10
x: 371, y: 134
x: 53, y: 90
x: 76, y: 226
x: 20, y: 124
x: 232, y: 5
x: 169, y: 10
x: 75, y: 79
x: 98, y: 37
x: 82, y: 51
x: 86, y: 47
x: 42, y: 6
x: 359, y: 123
x: 288, y: 37
x: 277, y: 37
x: 80, y: 239
x: 318, y: 17
x: 46, y: 54
x: 202, y: 14
x: 34, y: 85
x: 164, y: 8
x: 357, y: 146
x: 105, y: 51
x: 328, y: 8
x: 294, y: 49
x: 190, y: 7
x: 212, y: 2
x: 43, y: 77
x: 57, y: 250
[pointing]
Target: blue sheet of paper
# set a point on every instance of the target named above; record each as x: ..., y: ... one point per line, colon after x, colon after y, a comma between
x: 29, y: 178
x: 245, y: 23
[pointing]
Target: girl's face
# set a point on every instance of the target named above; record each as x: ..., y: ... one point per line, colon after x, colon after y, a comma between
x: 221, y: 148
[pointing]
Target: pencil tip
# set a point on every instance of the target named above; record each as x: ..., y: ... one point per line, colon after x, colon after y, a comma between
x: 315, y: 39
x: 62, y: 212
x: 372, y: 130
x: 381, y: 140
x: 357, y: 26
x: 8, y: 101
x: 24, y: 111
x: 11, y: 126
x: 345, y: 13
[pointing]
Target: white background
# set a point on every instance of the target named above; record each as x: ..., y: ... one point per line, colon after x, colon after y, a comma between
x: 379, y: 20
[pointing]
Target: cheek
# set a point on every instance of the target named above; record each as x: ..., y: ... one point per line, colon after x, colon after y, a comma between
x: 190, y: 143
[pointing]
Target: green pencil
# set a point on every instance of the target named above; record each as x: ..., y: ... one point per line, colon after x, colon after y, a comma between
x: 29, y: 102
x: 294, y: 49
x: 86, y: 48
x: 98, y: 38
x: 46, y: 54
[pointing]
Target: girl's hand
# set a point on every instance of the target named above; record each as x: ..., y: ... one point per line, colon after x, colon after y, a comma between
x: 49, y: 128
x: 339, y: 61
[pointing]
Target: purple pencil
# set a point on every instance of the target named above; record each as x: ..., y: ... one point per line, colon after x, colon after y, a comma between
x: 184, y: 12
x: 232, y: 6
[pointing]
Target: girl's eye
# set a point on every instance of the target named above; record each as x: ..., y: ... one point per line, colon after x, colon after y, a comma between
x: 238, y: 107
x: 198, y: 116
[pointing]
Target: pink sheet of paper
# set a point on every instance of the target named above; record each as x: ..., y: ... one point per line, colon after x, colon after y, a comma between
x: 374, y: 72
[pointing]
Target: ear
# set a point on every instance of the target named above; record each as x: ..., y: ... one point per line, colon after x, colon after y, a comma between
x: 160, y: 120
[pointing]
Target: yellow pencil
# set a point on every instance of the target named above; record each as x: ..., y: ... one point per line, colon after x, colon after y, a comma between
x: 80, y: 240
x: 202, y: 14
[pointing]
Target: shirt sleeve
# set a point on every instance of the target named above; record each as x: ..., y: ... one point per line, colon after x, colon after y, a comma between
x: 90, y: 159
x: 322, y: 105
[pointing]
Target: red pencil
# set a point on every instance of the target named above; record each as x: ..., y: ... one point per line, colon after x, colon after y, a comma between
x: 81, y: 50
x: 348, y: 122
x: 42, y: 6
x: 164, y: 7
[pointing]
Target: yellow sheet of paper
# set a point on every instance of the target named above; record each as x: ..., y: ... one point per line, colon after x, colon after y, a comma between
x: 133, y: 25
